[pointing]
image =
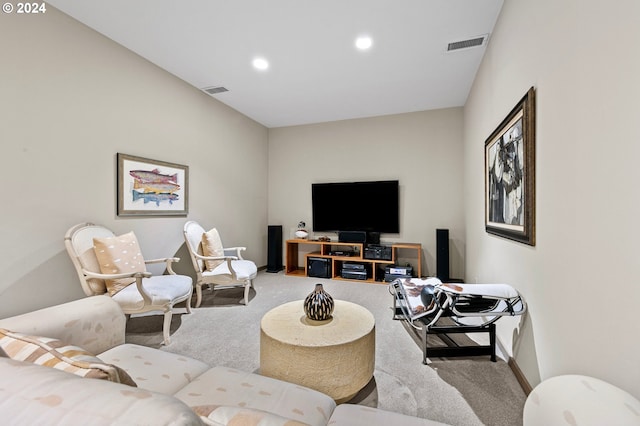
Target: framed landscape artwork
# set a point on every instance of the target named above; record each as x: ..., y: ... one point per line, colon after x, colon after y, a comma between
x: 510, y: 174
x: 151, y: 187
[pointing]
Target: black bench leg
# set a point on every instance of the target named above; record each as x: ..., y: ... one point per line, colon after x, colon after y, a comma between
x: 424, y: 344
x: 492, y: 341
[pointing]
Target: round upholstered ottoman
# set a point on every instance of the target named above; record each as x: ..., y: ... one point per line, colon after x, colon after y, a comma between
x: 580, y: 400
x: 336, y: 356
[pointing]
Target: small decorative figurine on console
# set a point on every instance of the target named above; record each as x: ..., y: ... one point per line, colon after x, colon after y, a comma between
x: 318, y: 305
x: 302, y: 232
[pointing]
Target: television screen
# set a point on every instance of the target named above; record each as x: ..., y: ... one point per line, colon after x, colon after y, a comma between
x: 356, y: 206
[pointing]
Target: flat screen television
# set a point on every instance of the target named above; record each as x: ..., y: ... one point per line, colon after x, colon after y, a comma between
x: 356, y: 206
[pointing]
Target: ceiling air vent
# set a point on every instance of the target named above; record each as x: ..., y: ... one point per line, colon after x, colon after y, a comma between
x: 464, y: 44
x: 215, y: 90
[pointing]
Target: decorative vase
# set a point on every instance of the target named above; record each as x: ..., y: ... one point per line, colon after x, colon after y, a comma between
x: 318, y: 305
x: 302, y: 232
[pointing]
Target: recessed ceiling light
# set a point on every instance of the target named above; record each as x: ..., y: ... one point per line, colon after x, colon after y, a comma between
x: 364, y: 42
x: 260, y: 63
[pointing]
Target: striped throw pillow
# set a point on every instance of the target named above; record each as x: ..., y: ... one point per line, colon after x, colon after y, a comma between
x: 56, y: 354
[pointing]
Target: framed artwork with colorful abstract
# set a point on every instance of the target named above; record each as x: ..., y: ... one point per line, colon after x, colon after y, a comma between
x: 151, y: 187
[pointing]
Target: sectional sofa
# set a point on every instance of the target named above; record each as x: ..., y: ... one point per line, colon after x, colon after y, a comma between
x: 69, y: 364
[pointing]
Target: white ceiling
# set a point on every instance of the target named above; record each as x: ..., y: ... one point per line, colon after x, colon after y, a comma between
x: 316, y: 74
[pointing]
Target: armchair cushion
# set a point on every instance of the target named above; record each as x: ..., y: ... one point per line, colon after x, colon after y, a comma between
x: 56, y: 354
x: 245, y: 269
x: 163, y: 289
x: 116, y: 255
x: 212, y: 246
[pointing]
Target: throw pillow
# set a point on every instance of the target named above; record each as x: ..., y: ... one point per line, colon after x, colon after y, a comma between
x: 212, y: 246
x: 56, y: 354
x: 117, y: 255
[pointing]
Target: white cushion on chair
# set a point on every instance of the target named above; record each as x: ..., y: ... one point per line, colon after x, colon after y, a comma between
x: 245, y: 269
x: 162, y: 288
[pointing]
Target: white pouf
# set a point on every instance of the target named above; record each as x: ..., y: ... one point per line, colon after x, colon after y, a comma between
x: 580, y: 401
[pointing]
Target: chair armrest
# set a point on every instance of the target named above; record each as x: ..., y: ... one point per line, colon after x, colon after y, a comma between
x: 137, y: 275
x: 168, y: 260
x: 237, y: 250
x: 201, y: 257
x: 90, y: 274
x: 163, y: 259
x: 228, y: 259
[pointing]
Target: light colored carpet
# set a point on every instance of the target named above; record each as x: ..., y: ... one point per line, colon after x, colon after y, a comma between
x: 458, y: 391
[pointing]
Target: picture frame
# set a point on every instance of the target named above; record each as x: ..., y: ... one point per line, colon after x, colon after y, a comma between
x: 510, y: 174
x: 151, y: 187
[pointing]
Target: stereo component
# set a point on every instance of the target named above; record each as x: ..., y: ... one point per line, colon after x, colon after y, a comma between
x: 354, y: 271
x: 353, y: 266
x: 343, y: 253
x: 318, y: 267
x: 378, y: 252
x: 396, y: 271
x: 354, y: 275
x: 352, y: 237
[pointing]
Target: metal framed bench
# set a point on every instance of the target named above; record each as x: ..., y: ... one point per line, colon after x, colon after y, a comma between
x: 436, y: 308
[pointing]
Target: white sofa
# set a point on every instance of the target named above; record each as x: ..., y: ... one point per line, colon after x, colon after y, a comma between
x: 171, y: 389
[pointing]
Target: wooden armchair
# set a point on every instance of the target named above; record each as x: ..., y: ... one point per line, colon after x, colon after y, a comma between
x: 112, y: 264
x: 213, y: 263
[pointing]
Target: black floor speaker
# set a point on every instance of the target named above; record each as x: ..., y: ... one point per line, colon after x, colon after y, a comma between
x: 442, y: 254
x: 274, y: 248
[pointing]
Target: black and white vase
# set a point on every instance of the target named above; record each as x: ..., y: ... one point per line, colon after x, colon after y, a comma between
x: 318, y: 305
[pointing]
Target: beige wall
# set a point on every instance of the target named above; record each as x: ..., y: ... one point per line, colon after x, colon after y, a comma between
x: 70, y: 100
x: 423, y: 150
x: 580, y: 279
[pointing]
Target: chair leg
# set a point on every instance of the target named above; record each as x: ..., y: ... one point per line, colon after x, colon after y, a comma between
x: 189, y: 303
x: 198, y: 295
x: 247, y: 287
x: 166, y: 327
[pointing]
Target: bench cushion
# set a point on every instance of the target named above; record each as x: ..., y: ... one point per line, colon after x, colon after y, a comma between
x: 350, y: 414
x: 35, y: 395
x: 153, y: 369
x: 224, y: 386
